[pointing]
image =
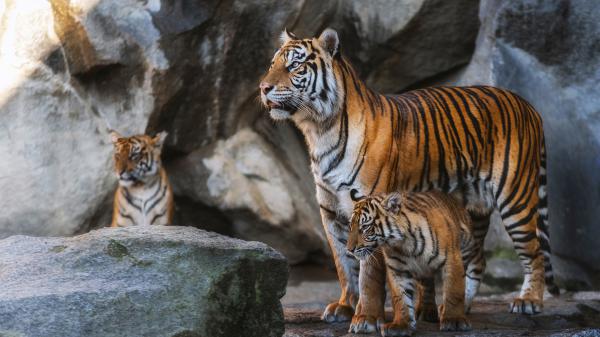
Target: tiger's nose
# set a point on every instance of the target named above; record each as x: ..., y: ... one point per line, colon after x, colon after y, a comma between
x: 266, y: 87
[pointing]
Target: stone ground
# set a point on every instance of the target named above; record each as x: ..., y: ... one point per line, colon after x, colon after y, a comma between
x: 572, y: 314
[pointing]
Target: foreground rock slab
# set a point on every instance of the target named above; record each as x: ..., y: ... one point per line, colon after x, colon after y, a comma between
x: 140, y: 281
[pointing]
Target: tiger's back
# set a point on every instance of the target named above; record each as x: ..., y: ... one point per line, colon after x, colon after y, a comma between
x: 144, y: 195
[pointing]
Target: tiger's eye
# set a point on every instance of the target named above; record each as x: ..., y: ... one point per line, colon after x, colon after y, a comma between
x: 293, y: 66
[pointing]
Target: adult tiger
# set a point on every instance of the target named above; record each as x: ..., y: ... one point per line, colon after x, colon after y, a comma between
x: 482, y: 142
x: 144, y: 194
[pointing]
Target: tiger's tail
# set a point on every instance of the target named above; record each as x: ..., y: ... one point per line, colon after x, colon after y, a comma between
x: 542, y: 225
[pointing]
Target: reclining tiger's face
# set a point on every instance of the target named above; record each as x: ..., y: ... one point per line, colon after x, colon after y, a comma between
x: 301, y: 82
x: 137, y: 158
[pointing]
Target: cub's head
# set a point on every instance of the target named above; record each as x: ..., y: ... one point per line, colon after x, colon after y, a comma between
x: 137, y: 158
x: 372, y: 223
x: 301, y: 80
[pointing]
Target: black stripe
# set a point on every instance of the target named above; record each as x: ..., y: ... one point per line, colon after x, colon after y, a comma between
x: 157, y: 216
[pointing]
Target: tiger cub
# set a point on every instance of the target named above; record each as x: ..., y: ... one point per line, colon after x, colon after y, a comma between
x: 420, y: 233
x: 144, y: 195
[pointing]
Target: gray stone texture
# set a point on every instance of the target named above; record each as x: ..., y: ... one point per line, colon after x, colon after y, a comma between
x: 140, y: 281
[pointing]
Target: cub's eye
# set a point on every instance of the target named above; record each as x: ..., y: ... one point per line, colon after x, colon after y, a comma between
x: 294, y: 65
x: 135, y: 156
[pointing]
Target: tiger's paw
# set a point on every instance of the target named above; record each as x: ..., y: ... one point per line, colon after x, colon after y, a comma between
x: 396, y: 329
x: 429, y: 314
x: 364, y: 324
x: 336, y: 312
x: 454, y: 324
x: 526, y: 305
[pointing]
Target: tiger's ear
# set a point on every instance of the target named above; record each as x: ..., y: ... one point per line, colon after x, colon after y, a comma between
x: 329, y: 41
x: 354, y: 195
x: 159, y: 139
x: 392, y: 202
x: 286, y: 37
x: 114, y: 137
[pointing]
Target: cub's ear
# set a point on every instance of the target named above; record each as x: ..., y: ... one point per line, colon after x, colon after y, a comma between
x: 115, y: 136
x: 329, y: 41
x: 286, y: 37
x: 159, y: 139
x: 392, y: 202
x: 354, y: 195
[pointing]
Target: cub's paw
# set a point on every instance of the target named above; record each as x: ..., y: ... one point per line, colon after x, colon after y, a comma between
x: 364, y: 324
x: 429, y: 314
x: 336, y: 312
x: 525, y: 305
x: 454, y: 324
x: 396, y: 329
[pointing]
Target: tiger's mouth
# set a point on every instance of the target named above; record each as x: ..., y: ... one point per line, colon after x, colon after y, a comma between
x: 274, y: 105
x: 280, y: 106
x: 280, y: 110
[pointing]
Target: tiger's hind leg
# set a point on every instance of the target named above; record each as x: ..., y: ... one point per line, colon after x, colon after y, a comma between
x: 474, y: 259
x: 520, y: 217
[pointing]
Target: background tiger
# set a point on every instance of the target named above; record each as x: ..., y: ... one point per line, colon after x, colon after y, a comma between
x: 483, y: 142
x: 421, y: 233
x: 144, y: 195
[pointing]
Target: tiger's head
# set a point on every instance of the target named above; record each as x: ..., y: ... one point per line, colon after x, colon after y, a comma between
x: 301, y: 82
x: 372, y: 222
x: 137, y: 158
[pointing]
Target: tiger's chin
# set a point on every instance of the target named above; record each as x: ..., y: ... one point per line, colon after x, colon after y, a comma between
x: 279, y: 114
x: 127, y: 183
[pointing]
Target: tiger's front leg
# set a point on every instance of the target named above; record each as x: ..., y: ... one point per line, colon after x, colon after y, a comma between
x: 347, y: 268
x: 370, y: 310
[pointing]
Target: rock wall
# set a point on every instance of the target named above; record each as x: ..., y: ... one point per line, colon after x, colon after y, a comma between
x: 72, y: 69
x: 549, y: 53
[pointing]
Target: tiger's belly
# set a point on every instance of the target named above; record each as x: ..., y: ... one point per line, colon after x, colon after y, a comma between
x: 425, y: 265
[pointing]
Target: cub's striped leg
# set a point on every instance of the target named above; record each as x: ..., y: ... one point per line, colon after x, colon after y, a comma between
x: 347, y: 268
x: 474, y: 258
x: 403, y: 290
x: 428, y: 309
x: 452, y: 309
x: 371, y: 303
x: 521, y: 219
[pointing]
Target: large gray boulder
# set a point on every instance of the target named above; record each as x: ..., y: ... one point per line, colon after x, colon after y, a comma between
x: 549, y: 53
x: 140, y: 281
